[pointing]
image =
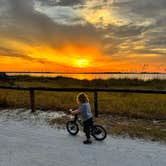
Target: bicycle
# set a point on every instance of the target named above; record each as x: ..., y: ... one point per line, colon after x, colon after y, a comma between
x: 97, y: 131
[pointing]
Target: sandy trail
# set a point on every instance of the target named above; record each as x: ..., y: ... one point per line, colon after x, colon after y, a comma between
x: 26, y: 144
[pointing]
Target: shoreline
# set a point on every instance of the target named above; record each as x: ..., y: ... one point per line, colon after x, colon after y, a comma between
x: 94, y: 76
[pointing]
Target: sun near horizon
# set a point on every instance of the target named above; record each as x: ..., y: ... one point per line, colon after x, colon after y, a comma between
x: 82, y: 63
x: 82, y: 36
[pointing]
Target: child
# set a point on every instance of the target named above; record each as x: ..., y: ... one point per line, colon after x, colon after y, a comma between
x: 87, y: 116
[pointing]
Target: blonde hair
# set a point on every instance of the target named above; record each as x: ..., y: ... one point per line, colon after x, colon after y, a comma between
x: 82, y: 98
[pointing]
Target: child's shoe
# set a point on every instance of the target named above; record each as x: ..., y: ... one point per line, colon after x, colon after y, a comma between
x: 88, y: 141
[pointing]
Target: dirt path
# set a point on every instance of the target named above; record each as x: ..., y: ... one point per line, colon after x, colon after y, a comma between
x: 23, y: 144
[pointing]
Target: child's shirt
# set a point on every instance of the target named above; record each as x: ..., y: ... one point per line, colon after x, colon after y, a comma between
x: 85, y: 110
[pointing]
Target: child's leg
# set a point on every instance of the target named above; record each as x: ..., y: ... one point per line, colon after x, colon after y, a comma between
x: 87, y: 131
x: 87, y: 124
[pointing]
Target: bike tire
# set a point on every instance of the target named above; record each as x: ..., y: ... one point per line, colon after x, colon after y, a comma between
x: 99, y: 128
x: 68, y: 127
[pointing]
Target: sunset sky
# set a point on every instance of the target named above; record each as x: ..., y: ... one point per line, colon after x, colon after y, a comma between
x: 83, y: 35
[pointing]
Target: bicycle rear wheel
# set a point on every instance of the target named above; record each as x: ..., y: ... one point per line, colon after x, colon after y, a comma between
x: 99, y: 133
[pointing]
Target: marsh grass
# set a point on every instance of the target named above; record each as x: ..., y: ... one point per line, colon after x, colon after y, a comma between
x: 14, y: 98
x: 145, y: 106
x: 133, y: 105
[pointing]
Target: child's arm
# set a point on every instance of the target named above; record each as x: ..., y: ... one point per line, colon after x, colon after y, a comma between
x: 74, y: 112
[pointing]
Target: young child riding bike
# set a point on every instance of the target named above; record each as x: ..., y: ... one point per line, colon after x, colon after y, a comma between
x: 84, y: 109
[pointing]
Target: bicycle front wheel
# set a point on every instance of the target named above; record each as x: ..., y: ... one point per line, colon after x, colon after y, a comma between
x: 72, y: 127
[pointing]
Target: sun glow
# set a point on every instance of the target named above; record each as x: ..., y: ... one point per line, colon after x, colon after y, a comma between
x: 81, y: 63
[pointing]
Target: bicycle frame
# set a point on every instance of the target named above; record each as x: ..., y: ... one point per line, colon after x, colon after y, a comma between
x: 78, y: 120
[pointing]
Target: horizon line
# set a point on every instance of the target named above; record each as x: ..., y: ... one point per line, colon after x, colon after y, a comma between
x: 107, y: 72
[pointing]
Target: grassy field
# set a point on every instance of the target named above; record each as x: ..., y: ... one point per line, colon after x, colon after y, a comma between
x: 144, y: 108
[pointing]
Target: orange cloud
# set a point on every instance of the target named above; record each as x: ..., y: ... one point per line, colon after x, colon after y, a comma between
x: 69, y: 58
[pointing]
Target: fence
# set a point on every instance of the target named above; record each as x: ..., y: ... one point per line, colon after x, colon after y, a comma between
x: 93, y: 90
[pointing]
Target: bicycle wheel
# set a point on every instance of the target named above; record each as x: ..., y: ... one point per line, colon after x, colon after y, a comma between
x: 99, y: 133
x: 72, y: 127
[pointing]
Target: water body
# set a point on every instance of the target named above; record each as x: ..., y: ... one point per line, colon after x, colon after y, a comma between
x: 81, y: 76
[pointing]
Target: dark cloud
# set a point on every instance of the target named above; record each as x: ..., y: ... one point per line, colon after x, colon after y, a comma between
x: 146, y: 51
x: 120, y: 39
x: 147, y: 8
x: 124, y: 31
x: 34, y: 28
x: 70, y: 2
x: 13, y: 53
x: 147, y: 27
x: 61, y: 2
x: 21, y: 6
x: 160, y: 42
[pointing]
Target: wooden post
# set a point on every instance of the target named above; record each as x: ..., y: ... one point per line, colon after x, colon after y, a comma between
x: 32, y: 100
x: 96, y: 103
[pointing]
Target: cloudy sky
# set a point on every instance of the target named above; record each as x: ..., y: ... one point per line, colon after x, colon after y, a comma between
x: 83, y: 35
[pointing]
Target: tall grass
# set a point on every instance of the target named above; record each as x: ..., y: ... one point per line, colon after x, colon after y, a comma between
x: 123, y: 104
